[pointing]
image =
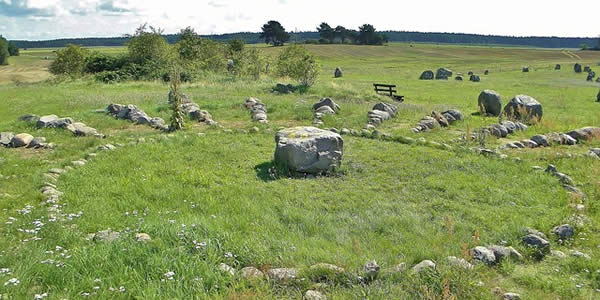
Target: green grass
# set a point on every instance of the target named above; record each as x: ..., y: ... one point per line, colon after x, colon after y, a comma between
x: 390, y: 202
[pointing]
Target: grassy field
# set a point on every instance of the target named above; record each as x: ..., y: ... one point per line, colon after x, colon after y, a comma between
x: 205, y: 197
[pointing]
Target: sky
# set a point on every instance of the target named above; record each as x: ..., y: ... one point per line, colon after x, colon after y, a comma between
x: 50, y: 19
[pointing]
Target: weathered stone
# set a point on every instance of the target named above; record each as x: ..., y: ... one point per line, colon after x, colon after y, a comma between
x: 327, y: 268
x: 530, y: 230
x: 371, y: 269
x: 314, y: 295
x: 579, y: 254
x: 282, y: 275
x: 29, y: 118
x: 577, y: 68
x: 498, y: 130
x: 557, y: 67
x: 443, y: 74
x: 459, y: 78
x: 200, y: 115
x: 525, y: 69
x: 484, y: 255
x: 21, y: 140
x: 143, y: 237
x: 541, y: 140
x: 501, y: 252
x: 441, y: 119
x: 511, y: 296
x: 490, y: 103
x: 459, y: 262
x: 587, y: 69
x: 427, y: 75
x: 106, y: 236
x: 338, y: 72
x: 225, y: 268
x: 535, y: 241
x: 558, y: 254
x: 586, y: 133
x: 45, y: 121
x: 453, y: 115
x: 525, y: 108
x: 309, y: 149
x: 251, y: 273
x: 474, y: 78
x: 324, y: 110
x: 424, y: 265
x: 328, y: 102
x: 81, y: 129
x: 564, y: 232
x: 38, y: 142
x: 6, y: 138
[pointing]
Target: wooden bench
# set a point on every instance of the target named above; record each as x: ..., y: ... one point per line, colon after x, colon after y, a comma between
x: 388, y: 90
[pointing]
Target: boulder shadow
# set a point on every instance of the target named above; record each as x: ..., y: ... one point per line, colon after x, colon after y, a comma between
x: 270, y: 171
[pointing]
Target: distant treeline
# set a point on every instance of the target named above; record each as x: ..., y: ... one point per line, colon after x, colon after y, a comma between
x: 392, y: 36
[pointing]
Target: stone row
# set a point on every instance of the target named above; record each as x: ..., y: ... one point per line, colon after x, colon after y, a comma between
x: 258, y: 111
x: 570, y: 138
x: 11, y: 140
x: 437, y: 119
x: 325, y: 106
x: 133, y: 113
x: 53, y: 121
x: 381, y: 112
x: 193, y: 110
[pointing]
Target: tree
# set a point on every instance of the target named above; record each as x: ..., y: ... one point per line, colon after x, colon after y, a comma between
x: 235, y: 46
x: 341, y: 32
x: 274, y: 33
x: 368, y: 36
x: 12, y: 49
x: 299, y: 64
x: 326, y: 32
x: 147, y: 45
x: 4, y: 54
x: 69, y: 61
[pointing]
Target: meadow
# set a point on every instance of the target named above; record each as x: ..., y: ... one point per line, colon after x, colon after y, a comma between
x: 205, y: 196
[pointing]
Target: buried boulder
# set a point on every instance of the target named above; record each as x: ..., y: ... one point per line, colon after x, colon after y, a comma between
x: 490, y: 103
x: 524, y: 108
x: 309, y: 150
x: 427, y: 75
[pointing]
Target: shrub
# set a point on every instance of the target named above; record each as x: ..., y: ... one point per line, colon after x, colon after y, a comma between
x: 299, y: 64
x: 98, y: 62
x: 108, y: 77
x: 148, y: 49
x: 12, y: 49
x: 69, y: 61
x: 4, y: 52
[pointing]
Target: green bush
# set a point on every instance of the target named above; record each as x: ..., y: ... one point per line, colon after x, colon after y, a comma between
x: 69, y: 61
x: 298, y: 63
x: 98, y: 62
x: 4, y: 54
x: 108, y: 77
x: 148, y: 49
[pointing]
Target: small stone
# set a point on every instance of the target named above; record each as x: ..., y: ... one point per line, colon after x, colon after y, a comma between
x: 225, y: 268
x: 424, y: 265
x: 484, y: 255
x: 251, y: 273
x: 314, y: 295
x: 371, y: 269
x: 79, y: 163
x: 254, y: 130
x: 535, y: 241
x: 579, y: 254
x: 459, y: 262
x: 564, y: 232
x: 282, y: 274
x: 106, y: 236
x: 511, y: 296
x: 558, y: 254
x: 143, y: 237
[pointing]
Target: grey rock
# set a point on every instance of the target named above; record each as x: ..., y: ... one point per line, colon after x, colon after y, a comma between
x: 535, y: 241
x: 557, y: 67
x: 309, y: 149
x: 251, y: 273
x: 327, y: 102
x: 586, y: 133
x: 284, y: 88
x: 282, y: 275
x: 106, y: 236
x: 564, y: 232
x: 530, y: 144
x: 200, y: 115
x: 459, y: 262
x: 21, y: 140
x: 389, y: 108
x: 424, y: 265
x: 511, y: 296
x: 324, y: 110
x: 558, y: 254
x: 530, y: 230
x: 427, y: 75
x: 453, y: 115
x: 443, y: 73
x: 525, y: 69
x: 502, y: 252
x: 143, y: 237
x: 490, y: 103
x: 474, y: 78
x: 345, y: 131
x: 80, y: 129
x: 225, y: 268
x: 338, y: 73
x: 29, y: 118
x: 524, y: 108
x: 45, y: 121
x: 459, y: 78
x: 541, y: 140
x: 314, y: 295
x: 6, y: 138
x: 371, y: 269
x: 498, y: 130
x: 484, y: 255
x: 38, y: 142
x: 579, y: 254
x: 577, y: 68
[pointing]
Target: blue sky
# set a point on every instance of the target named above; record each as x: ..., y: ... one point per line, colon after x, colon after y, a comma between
x: 49, y: 19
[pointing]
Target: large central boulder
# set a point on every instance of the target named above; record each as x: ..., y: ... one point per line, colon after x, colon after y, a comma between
x: 309, y: 150
x: 489, y: 103
x: 524, y: 108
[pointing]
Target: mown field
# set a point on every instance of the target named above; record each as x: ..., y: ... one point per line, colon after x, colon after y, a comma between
x: 205, y: 197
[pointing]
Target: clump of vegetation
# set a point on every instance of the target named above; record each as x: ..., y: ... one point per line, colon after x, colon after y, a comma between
x: 297, y: 63
x: 7, y: 49
x: 366, y: 35
x: 177, y: 115
x: 69, y: 61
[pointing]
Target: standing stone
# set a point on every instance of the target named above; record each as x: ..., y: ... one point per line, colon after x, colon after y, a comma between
x: 489, y: 103
x: 338, y: 73
x: 309, y: 149
x: 525, y: 69
x: 486, y: 72
x: 587, y: 69
x: 21, y: 140
x: 484, y: 255
x: 427, y: 75
x: 525, y: 108
x: 557, y: 67
x: 475, y: 78
x: 443, y: 74
x: 577, y: 68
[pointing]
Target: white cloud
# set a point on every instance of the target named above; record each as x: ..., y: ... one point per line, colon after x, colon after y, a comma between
x: 81, y: 18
